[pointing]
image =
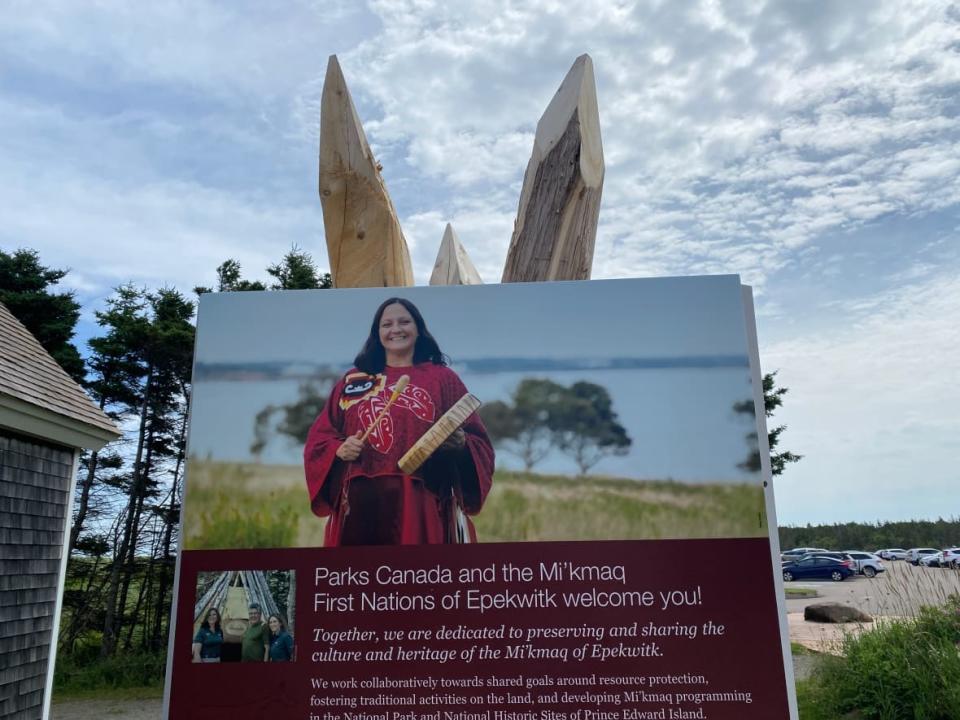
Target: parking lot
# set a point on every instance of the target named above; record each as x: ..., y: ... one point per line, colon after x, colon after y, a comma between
x: 900, y: 591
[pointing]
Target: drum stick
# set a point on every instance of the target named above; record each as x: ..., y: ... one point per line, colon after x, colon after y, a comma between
x: 402, y: 383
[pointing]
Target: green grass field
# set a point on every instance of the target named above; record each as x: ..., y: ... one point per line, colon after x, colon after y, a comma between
x: 231, y: 505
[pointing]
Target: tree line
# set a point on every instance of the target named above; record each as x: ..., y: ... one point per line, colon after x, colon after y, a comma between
x: 874, y: 536
x: 137, y: 369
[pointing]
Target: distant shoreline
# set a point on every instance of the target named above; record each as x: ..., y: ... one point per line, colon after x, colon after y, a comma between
x: 282, y: 370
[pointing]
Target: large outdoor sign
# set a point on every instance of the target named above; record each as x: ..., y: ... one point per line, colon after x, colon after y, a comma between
x: 595, y: 542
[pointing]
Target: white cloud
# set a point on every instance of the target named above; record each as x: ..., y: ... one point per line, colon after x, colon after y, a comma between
x: 734, y: 132
x: 153, y: 234
x: 730, y: 138
x: 873, y: 405
x: 214, y: 48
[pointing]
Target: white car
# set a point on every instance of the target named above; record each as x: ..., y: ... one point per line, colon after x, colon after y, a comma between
x: 914, y: 554
x: 944, y: 558
x: 865, y: 563
x: 930, y: 560
x: 951, y: 558
x: 892, y: 554
x: 797, y: 553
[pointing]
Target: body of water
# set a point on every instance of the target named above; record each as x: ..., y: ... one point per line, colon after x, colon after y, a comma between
x: 681, y: 420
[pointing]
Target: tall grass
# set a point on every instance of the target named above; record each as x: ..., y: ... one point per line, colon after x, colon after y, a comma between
x: 530, y: 507
x: 903, y: 669
x: 259, y: 506
x: 84, y: 672
x: 239, y: 505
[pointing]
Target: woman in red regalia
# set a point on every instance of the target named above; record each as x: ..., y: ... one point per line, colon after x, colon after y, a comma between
x: 356, y: 483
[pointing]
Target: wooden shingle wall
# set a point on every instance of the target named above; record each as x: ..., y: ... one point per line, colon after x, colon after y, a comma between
x: 34, y: 493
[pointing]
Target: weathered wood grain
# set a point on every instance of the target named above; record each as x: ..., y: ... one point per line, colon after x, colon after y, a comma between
x: 364, y: 240
x: 556, y: 225
x: 453, y: 265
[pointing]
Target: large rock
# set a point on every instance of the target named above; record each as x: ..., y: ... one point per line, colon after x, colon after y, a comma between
x: 834, y: 613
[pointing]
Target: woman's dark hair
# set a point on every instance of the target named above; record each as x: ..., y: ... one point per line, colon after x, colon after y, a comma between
x: 283, y: 625
x: 373, y: 358
x: 206, y: 620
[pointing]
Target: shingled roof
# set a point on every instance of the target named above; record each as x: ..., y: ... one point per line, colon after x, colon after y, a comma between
x: 28, y: 374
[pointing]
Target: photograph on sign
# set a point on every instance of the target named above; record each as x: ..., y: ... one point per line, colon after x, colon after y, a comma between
x: 606, y: 410
x: 244, y: 616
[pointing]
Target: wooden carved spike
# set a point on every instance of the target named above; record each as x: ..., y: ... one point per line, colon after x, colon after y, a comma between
x: 453, y: 266
x: 364, y: 239
x: 556, y: 225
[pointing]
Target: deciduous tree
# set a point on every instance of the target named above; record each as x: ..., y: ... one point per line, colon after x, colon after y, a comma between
x: 586, y: 427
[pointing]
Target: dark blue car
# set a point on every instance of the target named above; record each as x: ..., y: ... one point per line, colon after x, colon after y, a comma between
x: 817, y: 567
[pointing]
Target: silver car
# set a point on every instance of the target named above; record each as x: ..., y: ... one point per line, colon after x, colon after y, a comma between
x: 892, y: 554
x: 914, y: 554
x: 865, y: 563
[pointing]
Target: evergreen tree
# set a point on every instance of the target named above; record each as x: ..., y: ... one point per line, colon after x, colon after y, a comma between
x: 297, y: 271
x: 26, y: 290
x: 166, y: 354
x: 115, y: 373
x: 229, y: 279
x: 772, y: 399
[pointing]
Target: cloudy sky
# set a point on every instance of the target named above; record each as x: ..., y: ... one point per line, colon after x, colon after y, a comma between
x: 810, y: 147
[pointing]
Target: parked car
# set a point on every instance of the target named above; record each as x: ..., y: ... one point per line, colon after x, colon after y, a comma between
x: 814, y: 566
x: 951, y: 558
x: 892, y: 554
x: 914, y: 554
x: 866, y: 563
x: 797, y: 553
x: 932, y: 560
x: 839, y: 556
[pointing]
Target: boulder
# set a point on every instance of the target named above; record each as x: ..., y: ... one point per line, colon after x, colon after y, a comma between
x: 834, y: 613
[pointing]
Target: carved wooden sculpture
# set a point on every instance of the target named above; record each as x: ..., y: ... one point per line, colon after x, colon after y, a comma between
x: 364, y: 239
x: 556, y: 225
x: 453, y: 266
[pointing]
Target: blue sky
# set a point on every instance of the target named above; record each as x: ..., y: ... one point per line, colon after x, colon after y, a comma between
x: 810, y: 147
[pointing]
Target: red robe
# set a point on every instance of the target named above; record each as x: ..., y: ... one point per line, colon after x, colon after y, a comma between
x: 370, y: 501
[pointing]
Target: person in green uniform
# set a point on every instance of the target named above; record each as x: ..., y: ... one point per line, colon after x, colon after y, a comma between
x: 255, y: 644
x: 209, y: 639
x: 281, y: 642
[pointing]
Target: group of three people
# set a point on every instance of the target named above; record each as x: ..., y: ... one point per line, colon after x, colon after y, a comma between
x: 261, y: 642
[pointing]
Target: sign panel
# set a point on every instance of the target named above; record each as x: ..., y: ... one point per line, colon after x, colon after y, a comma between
x: 592, y: 543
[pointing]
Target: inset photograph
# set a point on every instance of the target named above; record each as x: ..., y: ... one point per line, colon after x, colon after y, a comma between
x: 244, y: 616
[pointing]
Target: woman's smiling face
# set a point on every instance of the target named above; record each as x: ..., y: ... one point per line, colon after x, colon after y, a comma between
x: 398, y: 331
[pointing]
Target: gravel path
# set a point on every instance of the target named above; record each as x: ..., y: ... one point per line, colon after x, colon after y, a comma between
x: 107, y: 709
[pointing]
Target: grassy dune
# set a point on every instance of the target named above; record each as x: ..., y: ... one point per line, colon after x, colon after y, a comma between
x: 231, y: 505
